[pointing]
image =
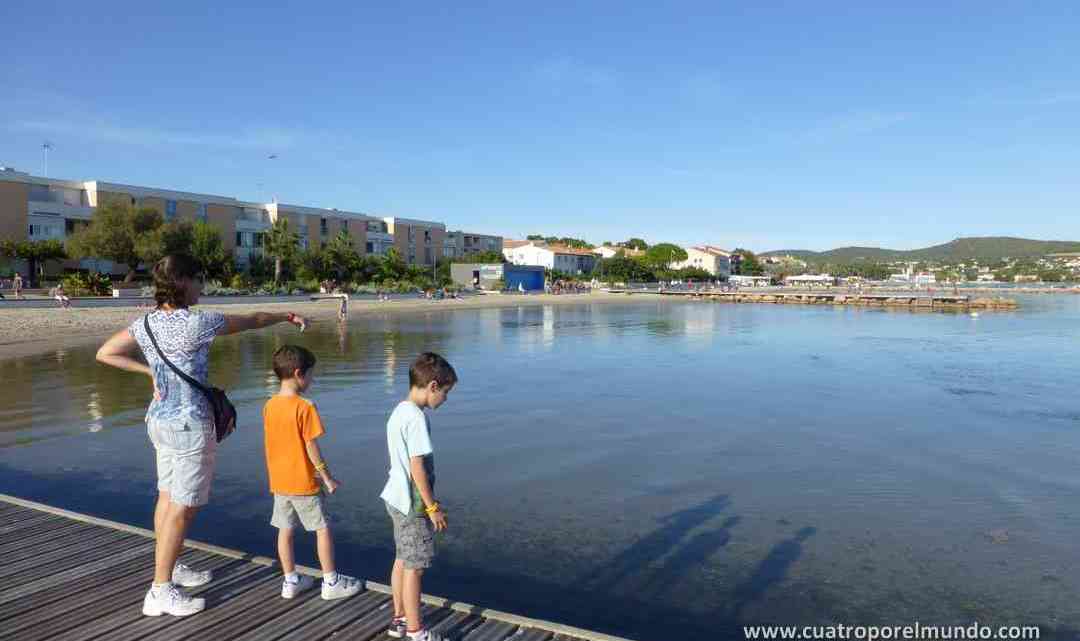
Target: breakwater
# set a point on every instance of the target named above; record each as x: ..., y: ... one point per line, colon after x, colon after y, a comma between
x: 904, y: 300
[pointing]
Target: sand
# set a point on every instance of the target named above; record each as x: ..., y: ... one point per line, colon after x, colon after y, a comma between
x: 28, y: 331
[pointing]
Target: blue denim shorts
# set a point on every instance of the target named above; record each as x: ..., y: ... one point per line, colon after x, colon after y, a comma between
x: 186, y: 455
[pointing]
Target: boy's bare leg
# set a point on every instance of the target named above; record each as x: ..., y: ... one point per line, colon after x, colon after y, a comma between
x: 410, y: 593
x: 397, y: 584
x: 285, y: 550
x: 324, y: 543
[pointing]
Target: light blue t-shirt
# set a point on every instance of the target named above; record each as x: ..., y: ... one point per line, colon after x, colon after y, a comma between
x: 185, y: 337
x: 407, y: 435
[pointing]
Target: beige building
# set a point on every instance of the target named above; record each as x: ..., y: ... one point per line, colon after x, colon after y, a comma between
x: 712, y: 259
x: 37, y: 208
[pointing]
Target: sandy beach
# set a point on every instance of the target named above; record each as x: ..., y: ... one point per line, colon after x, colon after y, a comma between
x: 30, y: 331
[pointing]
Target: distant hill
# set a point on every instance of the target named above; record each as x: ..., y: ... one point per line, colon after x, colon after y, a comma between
x: 990, y: 248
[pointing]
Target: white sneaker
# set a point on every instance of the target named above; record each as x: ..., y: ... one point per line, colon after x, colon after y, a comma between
x: 171, y: 600
x: 290, y: 589
x: 346, y: 586
x: 184, y: 576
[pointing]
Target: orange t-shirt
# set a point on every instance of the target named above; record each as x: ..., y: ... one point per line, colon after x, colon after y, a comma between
x: 289, y: 423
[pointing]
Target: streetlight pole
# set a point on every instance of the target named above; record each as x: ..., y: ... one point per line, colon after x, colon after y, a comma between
x: 45, y: 147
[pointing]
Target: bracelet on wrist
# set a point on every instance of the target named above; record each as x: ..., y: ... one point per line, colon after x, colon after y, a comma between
x: 433, y: 508
x: 321, y: 467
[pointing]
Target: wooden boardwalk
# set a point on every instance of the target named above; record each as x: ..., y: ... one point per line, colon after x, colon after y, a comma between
x: 72, y: 577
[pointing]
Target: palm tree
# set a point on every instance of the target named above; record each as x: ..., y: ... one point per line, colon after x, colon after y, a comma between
x: 280, y: 243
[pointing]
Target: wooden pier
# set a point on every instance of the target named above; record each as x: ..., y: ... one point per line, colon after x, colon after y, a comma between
x: 824, y: 297
x: 73, y: 577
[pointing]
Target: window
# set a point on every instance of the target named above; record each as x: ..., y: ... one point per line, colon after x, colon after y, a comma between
x: 370, y: 248
x: 170, y: 209
x: 200, y: 213
x: 258, y: 240
x: 239, y: 239
x: 322, y: 225
x: 427, y: 236
x: 345, y: 226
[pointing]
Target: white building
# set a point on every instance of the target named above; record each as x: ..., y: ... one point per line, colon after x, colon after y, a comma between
x: 563, y: 259
x: 712, y: 259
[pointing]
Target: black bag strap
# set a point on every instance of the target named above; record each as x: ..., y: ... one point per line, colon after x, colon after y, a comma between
x: 191, y: 381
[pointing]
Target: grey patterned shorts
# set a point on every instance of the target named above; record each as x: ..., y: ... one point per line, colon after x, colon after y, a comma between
x: 414, y: 539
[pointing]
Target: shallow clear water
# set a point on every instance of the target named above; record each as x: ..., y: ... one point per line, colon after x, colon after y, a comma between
x: 651, y: 469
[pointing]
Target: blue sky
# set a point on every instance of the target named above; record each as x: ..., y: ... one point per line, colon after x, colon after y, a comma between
x: 764, y: 125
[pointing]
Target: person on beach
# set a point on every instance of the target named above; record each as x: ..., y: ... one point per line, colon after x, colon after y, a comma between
x: 16, y: 284
x: 61, y: 297
x: 410, y: 491
x: 179, y: 420
x: 343, y: 311
x: 292, y: 426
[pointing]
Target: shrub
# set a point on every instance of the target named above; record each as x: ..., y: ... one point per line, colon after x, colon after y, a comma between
x: 87, y: 284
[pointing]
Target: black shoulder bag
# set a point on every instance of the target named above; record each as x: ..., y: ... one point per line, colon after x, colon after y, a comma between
x: 224, y: 410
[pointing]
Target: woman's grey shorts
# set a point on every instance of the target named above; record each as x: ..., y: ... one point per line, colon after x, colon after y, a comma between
x: 186, y: 456
x: 414, y: 539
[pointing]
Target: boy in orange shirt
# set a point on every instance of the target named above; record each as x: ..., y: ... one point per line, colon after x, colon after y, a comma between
x: 292, y: 425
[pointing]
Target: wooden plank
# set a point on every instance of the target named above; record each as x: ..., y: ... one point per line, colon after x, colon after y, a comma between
x: 67, y: 557
x: 116, y: 575
x: 457, y: 625
x: 18, y: 522
x: 136, y: 554
x: 129, y: 623
x: 372, y: 625
x: 239, y: 614
x: 101, y: 599
x: 533, y: 634
x: 35, y: 536
x: 491, y: 630
x: 42, y: 548
x: 295, y: 622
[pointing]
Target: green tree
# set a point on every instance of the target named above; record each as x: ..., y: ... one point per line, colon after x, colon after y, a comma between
x: 534, y: 237
x: 36, y: 253
x: 170, y: 238
x: 620, y: 268
x: 340, y: 254
x: 480, y: 257
x: 749, y: 265
x: 113, y: 233
x: 392, y: 266
x: 208, y: 249
x: 662, y: 255
x: 281, y: 244
x: 636, y: 243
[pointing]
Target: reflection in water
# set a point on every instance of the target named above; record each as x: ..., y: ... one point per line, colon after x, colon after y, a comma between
x: 658, y: 470
x: 93, y: 408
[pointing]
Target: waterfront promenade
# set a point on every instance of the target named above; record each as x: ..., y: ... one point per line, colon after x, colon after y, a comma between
x: 75, y: 577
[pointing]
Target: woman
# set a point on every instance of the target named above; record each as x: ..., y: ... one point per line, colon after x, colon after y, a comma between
x: 179, y: 420
x: 61, y: 296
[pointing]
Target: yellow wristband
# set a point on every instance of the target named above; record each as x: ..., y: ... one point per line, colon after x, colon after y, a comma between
x: 320, y: 467
x: 433, y: 508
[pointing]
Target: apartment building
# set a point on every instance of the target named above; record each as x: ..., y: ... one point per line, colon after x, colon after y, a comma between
x: 712, y: 259
x: 420, y: 242
x: 459, y: 244
x: 38, y: 208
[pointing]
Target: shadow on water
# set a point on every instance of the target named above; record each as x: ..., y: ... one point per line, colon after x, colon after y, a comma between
x: 632, y: 568
x: 771, y: 571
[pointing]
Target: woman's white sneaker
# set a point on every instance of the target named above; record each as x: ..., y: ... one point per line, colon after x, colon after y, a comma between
x: 290, y: 589
x: 169, y: 599
x: 184, y: 576
x: 346, y: 586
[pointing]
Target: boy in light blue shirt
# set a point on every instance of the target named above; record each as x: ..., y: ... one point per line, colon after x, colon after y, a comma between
x: 410, y: 491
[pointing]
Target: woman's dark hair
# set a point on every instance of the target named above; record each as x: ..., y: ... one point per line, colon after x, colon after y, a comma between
x: 168, y: 272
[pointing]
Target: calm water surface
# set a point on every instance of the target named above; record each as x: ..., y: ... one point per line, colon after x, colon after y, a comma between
x: 651, y: 469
